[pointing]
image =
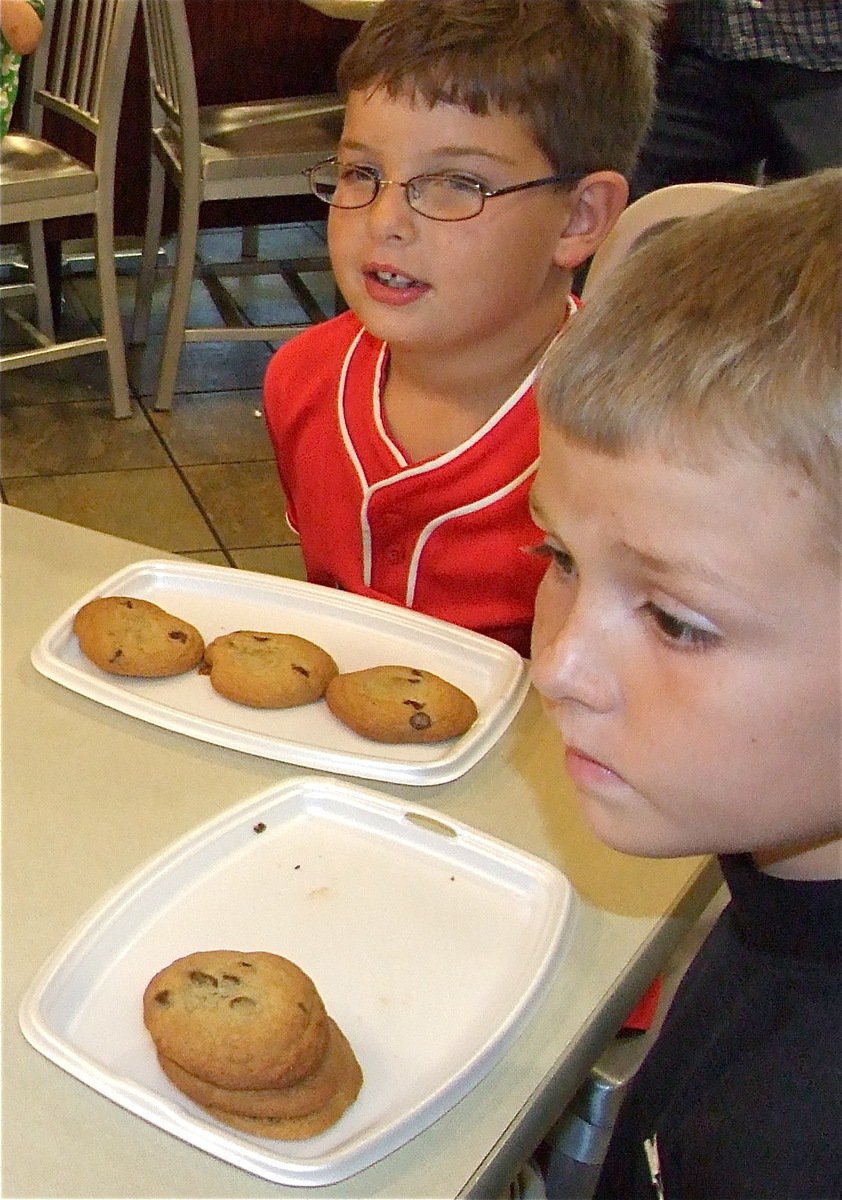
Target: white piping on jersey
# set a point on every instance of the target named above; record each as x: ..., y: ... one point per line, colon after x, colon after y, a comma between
x: 377, y: 409
x: 432, y: 526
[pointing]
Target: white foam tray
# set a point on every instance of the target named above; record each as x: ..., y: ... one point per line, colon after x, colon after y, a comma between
x: 356, y: 631
x: 429, y: 942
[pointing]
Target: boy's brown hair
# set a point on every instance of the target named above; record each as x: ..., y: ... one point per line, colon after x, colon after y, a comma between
x: 721, y: 333
x: 580, y: 72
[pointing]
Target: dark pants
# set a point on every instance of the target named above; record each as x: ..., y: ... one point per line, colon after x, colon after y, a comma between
x: 743, y: 122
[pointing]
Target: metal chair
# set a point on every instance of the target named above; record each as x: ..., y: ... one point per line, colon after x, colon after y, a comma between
x: 644, y: 215
x: 572, y: 1153
x: 78, y: 71
x: 218, y: 152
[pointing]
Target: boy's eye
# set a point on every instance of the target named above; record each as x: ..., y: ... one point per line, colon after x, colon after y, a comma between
x: 680, y: 632
x: 353, y: 173
x: 561, y: 559
x: 460, y: 183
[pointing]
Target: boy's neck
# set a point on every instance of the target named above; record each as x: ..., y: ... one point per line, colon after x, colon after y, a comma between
x: 433, y: 402
x: 823, y: 861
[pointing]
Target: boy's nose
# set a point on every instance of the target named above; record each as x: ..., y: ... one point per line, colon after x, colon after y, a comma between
x: 571, y: 662
x: 390, y: 210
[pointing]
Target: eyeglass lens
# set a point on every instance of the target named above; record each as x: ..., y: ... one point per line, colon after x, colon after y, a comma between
x: 442, y: 197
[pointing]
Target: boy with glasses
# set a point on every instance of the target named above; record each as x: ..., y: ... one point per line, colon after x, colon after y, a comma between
x: 483, y: 158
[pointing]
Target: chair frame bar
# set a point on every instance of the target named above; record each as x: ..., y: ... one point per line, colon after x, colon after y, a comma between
x: 178, y: 151
x: 88, y: 90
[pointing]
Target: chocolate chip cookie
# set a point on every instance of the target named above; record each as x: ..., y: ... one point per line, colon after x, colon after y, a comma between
x: 237, y: 1020
x: 400, y: 704
x: 126, y: 636
x: 337, y: 1072
x: 268, y: 670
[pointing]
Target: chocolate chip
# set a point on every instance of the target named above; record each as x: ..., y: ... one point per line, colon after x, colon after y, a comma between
x: 416, y: 704
x: 301, y: 670
x: 118, y: 653
x: 178, y: 635
x: 259, y: 637
x: 260, y: 827
x: 420, y: 720
x: 242, y: 1002
x: 163, y: 998
x: 231, y: 979
x: 203, y: 980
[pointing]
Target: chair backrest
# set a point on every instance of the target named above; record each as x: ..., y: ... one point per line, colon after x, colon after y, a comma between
x: 79, y: 69
x: 655, y: 208
x: 172, y: 72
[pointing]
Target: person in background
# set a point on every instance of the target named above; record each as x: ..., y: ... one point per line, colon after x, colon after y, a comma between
x: 20, y: 33
x: 687, y: 646
x: 484, y: 155
x: 747, y: 90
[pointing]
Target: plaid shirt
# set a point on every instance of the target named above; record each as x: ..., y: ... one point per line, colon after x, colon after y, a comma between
x: 804, y: 34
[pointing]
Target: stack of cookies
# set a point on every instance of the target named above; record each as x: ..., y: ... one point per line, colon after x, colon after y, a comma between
x: 246, y: 1036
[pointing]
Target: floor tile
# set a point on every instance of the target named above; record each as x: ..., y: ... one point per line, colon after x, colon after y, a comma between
x: 266, y: 300
x: 201, y: 480
x: 323, y: 287
x: 203, y: 366
x: 294, y: 239
x: 272, y: 560
x: 214, y: 427
x: 83, y: 377
x: 216, y: 558
x: 72, y: 437
x: 152, y: 506
x: 201, y: 312
x: 243, y: 501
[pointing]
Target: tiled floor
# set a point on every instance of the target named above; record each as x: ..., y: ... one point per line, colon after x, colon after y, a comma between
x: 200, y: 480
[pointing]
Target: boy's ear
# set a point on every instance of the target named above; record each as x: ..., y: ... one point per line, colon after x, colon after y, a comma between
x: 594, y: 206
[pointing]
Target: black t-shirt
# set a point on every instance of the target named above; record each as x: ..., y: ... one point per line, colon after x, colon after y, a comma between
x: 743, y: 1086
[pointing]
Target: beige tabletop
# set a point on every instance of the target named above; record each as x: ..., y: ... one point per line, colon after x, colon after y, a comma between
x: 89, y: 794
x: 349, y: 10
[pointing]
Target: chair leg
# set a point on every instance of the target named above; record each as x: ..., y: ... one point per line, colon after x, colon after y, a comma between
x: 149, y: 256
x: 182, y: 283
x: 112, y: 326
x: 41, y: 279
x: 251, y: 241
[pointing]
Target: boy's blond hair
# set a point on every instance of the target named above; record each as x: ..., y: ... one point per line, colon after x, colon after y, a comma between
x: 580, y: 72
x: 722, y: 332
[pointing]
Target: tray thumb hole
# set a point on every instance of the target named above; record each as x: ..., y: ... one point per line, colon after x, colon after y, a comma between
x: 430, y: 823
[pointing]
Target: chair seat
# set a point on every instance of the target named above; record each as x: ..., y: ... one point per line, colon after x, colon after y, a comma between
x: 267, y: 138
x: 32, y: 170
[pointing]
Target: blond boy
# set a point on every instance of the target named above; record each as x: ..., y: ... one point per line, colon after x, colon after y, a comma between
x: 483, y: 158
x: 687, y: 645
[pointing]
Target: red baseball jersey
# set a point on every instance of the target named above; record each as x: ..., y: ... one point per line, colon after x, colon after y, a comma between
x: 444, y: 536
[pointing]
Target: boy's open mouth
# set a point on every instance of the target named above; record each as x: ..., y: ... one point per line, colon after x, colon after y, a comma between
x: 390, y: 286
x: 393, y: 280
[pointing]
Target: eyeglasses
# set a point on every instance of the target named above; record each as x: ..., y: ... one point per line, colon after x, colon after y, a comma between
x: 439, y: 197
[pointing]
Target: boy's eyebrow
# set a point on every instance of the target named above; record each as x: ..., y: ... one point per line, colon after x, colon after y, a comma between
x: 672, y: 566
x: 467, y: 151
x: 646, y: 558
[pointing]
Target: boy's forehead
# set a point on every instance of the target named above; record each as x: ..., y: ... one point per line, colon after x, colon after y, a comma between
x: 496, y: 126
x: 646, y: 494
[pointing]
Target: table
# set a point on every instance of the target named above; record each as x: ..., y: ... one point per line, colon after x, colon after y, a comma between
x: 89, y: 794
x: 349, y: 10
